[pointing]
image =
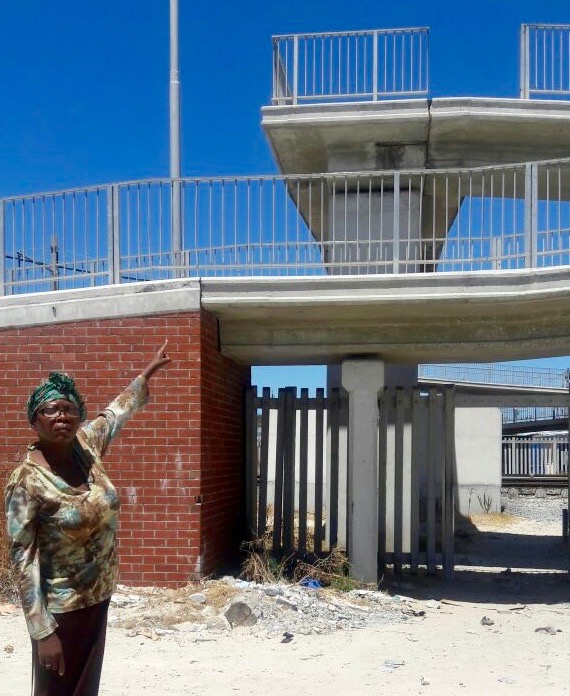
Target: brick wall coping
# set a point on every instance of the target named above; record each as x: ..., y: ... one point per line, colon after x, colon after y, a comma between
x: 106, y: 302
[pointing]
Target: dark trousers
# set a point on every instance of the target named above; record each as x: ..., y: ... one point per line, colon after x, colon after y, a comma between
x: 82, y: 635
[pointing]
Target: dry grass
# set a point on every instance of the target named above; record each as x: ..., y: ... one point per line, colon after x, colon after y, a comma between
x: 261, y: 566
x: 493, y: 521
x: 164, y: 608
x: 219, y: 594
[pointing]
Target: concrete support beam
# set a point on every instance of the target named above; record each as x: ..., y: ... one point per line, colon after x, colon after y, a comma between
x: 363, y: 378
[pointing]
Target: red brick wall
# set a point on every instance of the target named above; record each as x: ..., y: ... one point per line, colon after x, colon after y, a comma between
x: 178, y: 464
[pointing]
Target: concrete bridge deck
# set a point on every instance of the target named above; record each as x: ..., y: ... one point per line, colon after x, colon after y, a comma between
x: 443, y: 317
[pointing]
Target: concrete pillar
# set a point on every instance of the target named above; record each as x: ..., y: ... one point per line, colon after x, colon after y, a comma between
x: 381, y: 229
x: 363, y: 378
x: 376, y: 221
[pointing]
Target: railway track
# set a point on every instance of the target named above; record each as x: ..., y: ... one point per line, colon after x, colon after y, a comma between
x: 535, y: 481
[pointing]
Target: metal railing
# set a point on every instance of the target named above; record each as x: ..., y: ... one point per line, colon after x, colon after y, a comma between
x: 544, y: 60
x: 500, y: 375
x: 509, y: 217
x: 536, y: 456
x: 541, y: 417
x: 352, y: 65
x: 497, y: 374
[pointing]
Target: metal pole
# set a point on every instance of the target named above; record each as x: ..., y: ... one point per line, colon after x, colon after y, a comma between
x: 176, y: 228
x: 524, y: 62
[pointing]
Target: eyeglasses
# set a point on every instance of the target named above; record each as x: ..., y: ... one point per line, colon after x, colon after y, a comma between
x: 53, y: 411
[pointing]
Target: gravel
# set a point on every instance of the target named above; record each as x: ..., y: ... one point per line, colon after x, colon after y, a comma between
x: 546, y: 510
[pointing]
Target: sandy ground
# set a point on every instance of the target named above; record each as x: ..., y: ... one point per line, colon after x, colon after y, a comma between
x: 522, y: 646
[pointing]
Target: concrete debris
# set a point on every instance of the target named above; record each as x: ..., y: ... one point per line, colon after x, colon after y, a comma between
x: 287, y: 603
x: 548, y: 629
x: 198, y: 598
x: 276, y: 610
x: 240, y: 614
x: 394, y: 664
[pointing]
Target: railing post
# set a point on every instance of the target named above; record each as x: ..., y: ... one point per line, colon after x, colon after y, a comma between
x: 396, y: 222
x: 375, y: 66
x: 176, y: 231
x: 295, y: 69
x: 530, y: 215
x: 2, y: 249
x: 524, y: 62
x: 113, y: 237
x: 274, y: 98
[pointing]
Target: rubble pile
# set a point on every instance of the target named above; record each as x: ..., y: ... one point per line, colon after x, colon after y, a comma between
x: 273, y: 610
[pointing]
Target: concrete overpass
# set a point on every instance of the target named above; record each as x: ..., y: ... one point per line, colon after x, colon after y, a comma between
x: 476, y: 317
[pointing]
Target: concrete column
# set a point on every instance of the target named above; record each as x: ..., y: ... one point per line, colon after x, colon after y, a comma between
x: 363, y: 378
x: 379, y: 229
x: 375, y: 221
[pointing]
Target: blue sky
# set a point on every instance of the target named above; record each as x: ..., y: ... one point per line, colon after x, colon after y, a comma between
x: 84, y: 86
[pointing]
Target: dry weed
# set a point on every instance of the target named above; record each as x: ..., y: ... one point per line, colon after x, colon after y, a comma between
x: 218, y: 594
x: 493, y: 521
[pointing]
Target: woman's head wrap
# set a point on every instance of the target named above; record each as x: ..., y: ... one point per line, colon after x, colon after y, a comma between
x: 57, y: 386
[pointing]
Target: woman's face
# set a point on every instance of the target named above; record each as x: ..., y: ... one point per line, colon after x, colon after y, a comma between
x: 57, y: 421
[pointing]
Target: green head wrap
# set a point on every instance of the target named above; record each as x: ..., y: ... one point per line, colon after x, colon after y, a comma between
x: 57, y: 386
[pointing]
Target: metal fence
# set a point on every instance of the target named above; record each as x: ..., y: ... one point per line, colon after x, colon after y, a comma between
x: 544, y: 60
x: 536, y: 456
x: 345, y: 66
x: 498, y: 374
x: 508, y: 217
x: 547, y: 418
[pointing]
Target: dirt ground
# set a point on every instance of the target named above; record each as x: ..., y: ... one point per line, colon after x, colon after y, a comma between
x: 502, y: 626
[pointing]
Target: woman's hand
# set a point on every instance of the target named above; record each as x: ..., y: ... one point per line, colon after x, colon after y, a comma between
x: 50, y: 654
x: 159, y: 360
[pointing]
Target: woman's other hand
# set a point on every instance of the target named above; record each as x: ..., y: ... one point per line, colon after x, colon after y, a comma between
x: 50, y: 654
x: 159, y: 360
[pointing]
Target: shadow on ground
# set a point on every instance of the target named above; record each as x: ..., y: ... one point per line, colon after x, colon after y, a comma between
x: 496, y: 567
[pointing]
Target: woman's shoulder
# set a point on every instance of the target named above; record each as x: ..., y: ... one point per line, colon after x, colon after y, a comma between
x: 24, y: 471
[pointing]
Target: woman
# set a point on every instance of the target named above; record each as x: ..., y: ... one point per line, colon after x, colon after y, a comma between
x: 61, y: 510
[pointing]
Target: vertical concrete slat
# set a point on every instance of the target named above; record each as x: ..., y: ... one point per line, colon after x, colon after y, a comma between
x: 303, y: 467
x: 319, y: 441
x: 289, y: 469
x: 334, y: 460
x: 448, y: 511
x: 398, y: 480
x: 383, y: 409
x: 251, y: 460
x: 418, y: 465
x: 431, y: 474
x: 278, y: 496
x: 263, y: 462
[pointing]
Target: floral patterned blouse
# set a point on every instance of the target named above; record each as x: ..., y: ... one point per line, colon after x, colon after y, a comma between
x: 63, y: 538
